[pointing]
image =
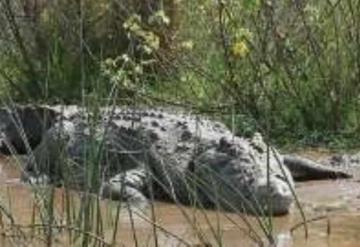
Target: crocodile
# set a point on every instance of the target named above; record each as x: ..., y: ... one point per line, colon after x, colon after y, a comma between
x: 138, y: 154
x: 22, y: 127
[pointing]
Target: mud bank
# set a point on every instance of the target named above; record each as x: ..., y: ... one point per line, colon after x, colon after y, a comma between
x: 332, y: 208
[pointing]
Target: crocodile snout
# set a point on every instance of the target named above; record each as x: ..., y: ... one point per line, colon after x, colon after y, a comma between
x: 274, y: 195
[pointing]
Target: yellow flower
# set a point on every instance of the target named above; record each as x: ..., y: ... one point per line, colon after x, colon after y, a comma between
x: 132, y: 23
x: 239, y: 49
x: 159, y: 17
x: 109, y: 62
x: 243, y: 33
x: 151, y: 40
x: 187, y: 45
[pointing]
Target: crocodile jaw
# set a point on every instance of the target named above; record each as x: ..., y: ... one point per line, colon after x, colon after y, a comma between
x: 274, y: 195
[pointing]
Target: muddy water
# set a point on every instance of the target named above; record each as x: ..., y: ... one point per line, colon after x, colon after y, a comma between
x: 332, y: 209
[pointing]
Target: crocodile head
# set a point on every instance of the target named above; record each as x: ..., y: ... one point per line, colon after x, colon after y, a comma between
x: 236, y: 178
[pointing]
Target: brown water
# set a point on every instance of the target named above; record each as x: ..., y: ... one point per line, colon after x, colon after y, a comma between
x: 332, y: 207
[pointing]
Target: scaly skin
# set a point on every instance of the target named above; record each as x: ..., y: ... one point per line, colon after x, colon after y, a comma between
x: 180, y: 156
x: 141, y: 154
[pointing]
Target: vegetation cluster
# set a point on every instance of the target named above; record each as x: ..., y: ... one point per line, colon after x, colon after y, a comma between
x: 291, y: 68
x: 288, y: 69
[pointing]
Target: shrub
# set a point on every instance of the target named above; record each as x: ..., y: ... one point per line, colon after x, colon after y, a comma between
x: 58, y: 46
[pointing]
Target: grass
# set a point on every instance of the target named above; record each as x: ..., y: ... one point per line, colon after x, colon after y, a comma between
x: 289, y: 70
x: 81, y: 219
x: 298, y: 71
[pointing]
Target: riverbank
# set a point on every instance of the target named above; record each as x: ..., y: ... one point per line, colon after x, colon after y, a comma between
x: 332, y: 209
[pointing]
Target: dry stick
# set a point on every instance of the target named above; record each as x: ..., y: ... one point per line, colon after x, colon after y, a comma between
x: 194, y: 202
x: 81, y: 47
x: 210, y: 109
x: 15, y: 238
x: 282, y: 169
x: 174, y: 197
x: 258, y: 210
x: 270, y: 66
x: 194, y: 67
x: 151, y: 188
x: 314, y: 46
x: 8, y: 215
x: 270, y: 200
x: 355, y: 55
x: 221, y: 7
x: 117, y: 221
x: 13, y: 85
x: 66, y: 227
x: 20, y: 41
x: 248, y: 231
x: 185, y: 213
x: 99, y: 220
x: 164, y: 230
x: 296, y: 93
x: 5, y: 212
x: 132, y: 222
x: 168, y: 178
x: 154, y: 223
x: 292, y: 192
x: 298, y: 225
x: 225, y: 201
x: 226, y: 182
x: 16, y: 120
x: 50, y: 217
x: 216, y: 234
x: 246, y: 201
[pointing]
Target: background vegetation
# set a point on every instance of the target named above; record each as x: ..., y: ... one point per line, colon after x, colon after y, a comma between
x: 291, y: 67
